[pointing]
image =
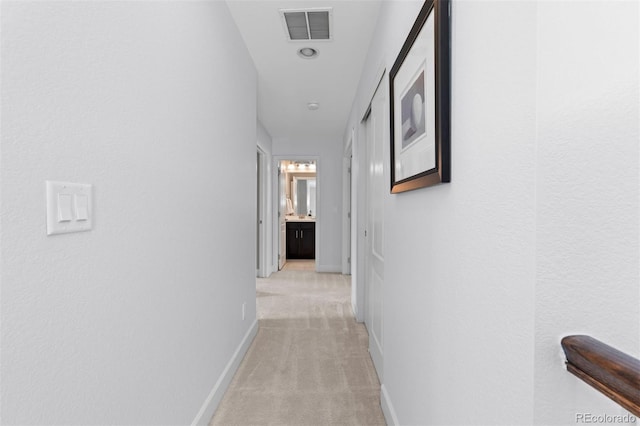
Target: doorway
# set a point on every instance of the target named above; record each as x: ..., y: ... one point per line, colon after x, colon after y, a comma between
x: 297, y: 213
x: 262, y: 214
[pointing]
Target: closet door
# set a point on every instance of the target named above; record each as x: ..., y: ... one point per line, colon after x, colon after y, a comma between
x: 376, y: 190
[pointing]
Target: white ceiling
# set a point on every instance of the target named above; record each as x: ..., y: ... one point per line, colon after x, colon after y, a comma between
x: 286, y: 82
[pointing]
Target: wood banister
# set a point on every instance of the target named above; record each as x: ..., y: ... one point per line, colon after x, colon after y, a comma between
x: 613, y: 373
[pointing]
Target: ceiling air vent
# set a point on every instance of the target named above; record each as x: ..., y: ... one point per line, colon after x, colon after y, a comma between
x: 307, y: 24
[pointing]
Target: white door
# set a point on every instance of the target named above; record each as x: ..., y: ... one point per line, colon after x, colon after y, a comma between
x: 376, y: 190
x: 348, y: 201
x: 282, y: 211
x: 258, y: 213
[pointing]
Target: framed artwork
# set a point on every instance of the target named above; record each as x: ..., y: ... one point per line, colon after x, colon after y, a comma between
x: 420, y: 102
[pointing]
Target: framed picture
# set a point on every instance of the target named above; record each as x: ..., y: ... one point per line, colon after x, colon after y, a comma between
x: 420, y: 102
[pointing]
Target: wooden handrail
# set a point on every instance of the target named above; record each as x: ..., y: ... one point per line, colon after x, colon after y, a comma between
x: 613, y: 373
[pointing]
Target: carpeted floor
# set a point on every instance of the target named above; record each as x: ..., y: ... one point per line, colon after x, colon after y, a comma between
x: 299, y: 265
x: 309, y: 363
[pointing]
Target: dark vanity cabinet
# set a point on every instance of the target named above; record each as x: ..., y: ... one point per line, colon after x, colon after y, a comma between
x: 301, y: 240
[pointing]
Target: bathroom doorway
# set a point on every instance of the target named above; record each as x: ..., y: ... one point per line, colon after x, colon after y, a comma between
x: 297, y: 214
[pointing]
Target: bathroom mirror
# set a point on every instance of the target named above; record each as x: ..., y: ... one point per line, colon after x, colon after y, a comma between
x: 304, y: 195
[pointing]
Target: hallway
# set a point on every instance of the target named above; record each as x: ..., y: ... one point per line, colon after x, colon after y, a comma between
x: 136, y: 125
x: 309, y: 362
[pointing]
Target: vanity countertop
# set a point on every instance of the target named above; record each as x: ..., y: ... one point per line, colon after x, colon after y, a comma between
x: 295, y: 218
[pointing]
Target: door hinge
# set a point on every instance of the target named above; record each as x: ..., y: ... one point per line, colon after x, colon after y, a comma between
x: 349, y: 215
x: 365, y: 232
x: 349, y: 259
x: 349, y: 170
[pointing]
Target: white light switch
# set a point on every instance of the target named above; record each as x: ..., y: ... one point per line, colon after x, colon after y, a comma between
x: 69, y: 207
x: 64, y: 207
x: 82, y: 207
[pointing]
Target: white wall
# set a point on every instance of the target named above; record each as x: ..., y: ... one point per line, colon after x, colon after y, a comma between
x: 135, y: 321
x: 329, y: 195
x: 536, y: 236
x: 264, y: 138
x: 587, y: 250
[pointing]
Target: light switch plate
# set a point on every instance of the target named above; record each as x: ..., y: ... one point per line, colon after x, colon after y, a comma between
x: 69, y: 207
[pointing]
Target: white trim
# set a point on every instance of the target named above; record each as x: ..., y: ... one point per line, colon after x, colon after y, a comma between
x: 348, y: 146
x: 346, y: 206
x: 387, y: 407
x: 275, y: 220
x: 215, y: 396
x: 328, y: 268
x: 264, y: 269
x: 358, y: 219
x: 266, y: 261
x: 382, y: 70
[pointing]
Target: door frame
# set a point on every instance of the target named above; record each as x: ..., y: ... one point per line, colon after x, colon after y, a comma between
x: 347, y: 203
x: 264, y: 215
x: 275, y: 163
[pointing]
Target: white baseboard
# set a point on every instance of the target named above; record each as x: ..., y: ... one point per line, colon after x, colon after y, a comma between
x: 387, y: 407
x: 329, y: 268
x: 215, y: 396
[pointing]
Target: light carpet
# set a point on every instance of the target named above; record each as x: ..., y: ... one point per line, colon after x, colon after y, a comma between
x: 299, y: 265
x: 309, y: 363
